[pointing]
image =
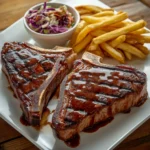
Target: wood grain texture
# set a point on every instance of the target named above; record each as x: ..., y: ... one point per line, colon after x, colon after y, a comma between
x: 146, y: 2
x: 11, y: 11
x: 7, y: 132
x: 139, y: 138
x: 18, y: 144
x: 136, y: 11
x: 114, y: 3
x: 137, y: 144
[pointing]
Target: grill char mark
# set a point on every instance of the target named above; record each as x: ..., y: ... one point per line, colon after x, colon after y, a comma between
x: 76, y: 99
x: 88, y: 92
x: 27, y: 74
x: 103, y: 88
x: 118, y: 74
x: 82, y: 104
x: 23, y: 58
x: 125, y: 84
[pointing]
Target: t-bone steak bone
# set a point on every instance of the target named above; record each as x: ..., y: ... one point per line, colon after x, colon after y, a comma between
x: 94, y: 92
x: 34, y: 73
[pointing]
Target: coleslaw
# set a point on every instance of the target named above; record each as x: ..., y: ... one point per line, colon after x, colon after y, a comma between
x: 50, y: 20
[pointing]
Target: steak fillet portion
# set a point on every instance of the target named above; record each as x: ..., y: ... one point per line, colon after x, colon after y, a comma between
x: 94, y: 92
x: 34, y: 73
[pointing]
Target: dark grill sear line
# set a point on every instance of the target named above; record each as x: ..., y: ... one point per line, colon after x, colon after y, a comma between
x: 34, y: 74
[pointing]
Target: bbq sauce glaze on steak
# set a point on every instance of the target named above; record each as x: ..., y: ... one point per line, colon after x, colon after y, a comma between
x: 34, y: 73
x: 94, y: 92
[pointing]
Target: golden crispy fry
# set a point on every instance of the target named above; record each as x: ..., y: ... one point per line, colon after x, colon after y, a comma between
x: 84, y: 32
x: 146, y: 38
x: 91, y: 27
x: 121, y: 31
x: 138, y: 38
x: 121, y: 53
x: 83, y: 11
x: 114, y: 43
x: 142, y: 48
x: 97, y: 32
x: 89, y: 14
x: 92, y: 47
x: 98, y: 52
x: 80, y: 26
x: 91, y: 19
x: 80, y: 46
x: 107, y: 9
x: 105, y: 13
x: 111, y: 51
x: 98, y: 26
x: 93, y: 8
x: 108, y: 28
x: 128, y: 55
x: 90, y: 8
x: 131, y: 49
x: 140, y: 31
x: 121, y: 24
x: 131, y: 41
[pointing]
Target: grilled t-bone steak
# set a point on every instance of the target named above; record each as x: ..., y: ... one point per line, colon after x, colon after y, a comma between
x: 34, y: 73
x: 94, y: 92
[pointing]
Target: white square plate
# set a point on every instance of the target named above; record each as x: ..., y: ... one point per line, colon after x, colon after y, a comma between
x: 105, y: 138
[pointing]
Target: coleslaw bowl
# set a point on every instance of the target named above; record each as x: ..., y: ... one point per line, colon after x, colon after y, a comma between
x: 51, y: 40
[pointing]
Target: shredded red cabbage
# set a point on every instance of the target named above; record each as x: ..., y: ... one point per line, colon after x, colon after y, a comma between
x: 49, y: 20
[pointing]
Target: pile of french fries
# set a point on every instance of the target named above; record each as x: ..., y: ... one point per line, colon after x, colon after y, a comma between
x: 107, y: 33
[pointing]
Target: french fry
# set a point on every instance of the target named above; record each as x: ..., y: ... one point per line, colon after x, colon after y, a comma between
x: 82, y: 16
x: 114, y: 43
x: 98, y: 52
x: 146, y: 38
x: 91, y: 19
x: 84, y: 32
x: 138, y: 38
x: 108, y: 28
x: 83, y: 11
x: 142, y: 48
x: 97, y: 32
x: 121, y: 53
x: 131, y: 49
x: 105, y: 13
x: 106, y: 33
x: 107, y: 9
x: 91, y: 8
x: 121, y: 31
x: 91, y: 27
x: 131, y: 41
x: 120, y: 24
x: 140, y: 31
x: 80, y: 26
x: 128, y: 55
x: 92, y: 47
x: 80, y: 46
x: 111, y: 51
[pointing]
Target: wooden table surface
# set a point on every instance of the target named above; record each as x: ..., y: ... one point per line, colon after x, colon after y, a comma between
x: 11, y: 11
